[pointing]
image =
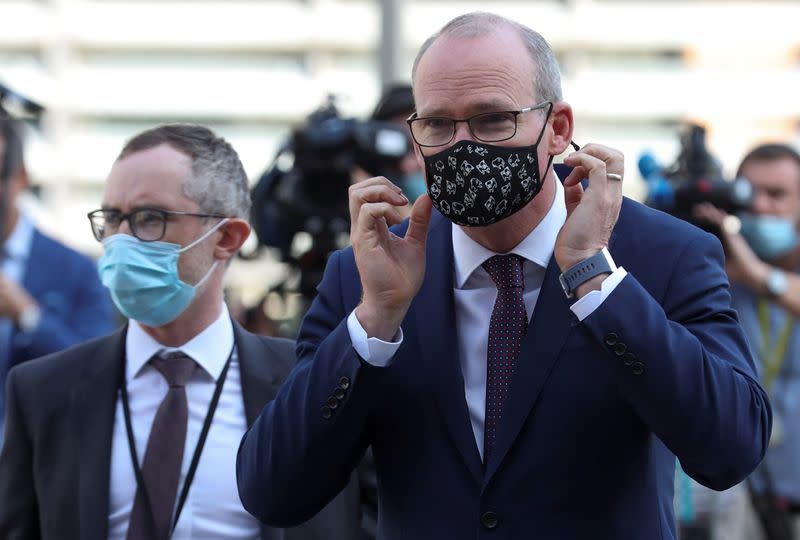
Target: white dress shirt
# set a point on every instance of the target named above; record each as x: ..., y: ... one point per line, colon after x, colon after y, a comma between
x: 475, y: 294
x: 213, y: 509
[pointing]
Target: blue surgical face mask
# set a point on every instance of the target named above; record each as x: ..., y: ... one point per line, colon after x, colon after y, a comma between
x: 769, y: 236
x: 143, y: 277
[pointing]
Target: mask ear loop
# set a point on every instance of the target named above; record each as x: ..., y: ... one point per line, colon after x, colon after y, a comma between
x: 208, y: 233
x: 214, y: 265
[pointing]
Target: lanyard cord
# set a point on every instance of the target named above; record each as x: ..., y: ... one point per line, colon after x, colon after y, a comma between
x: 197, y: 450
x: 772, y: 356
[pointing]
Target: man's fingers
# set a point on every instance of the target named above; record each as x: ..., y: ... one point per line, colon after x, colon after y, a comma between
x: 378, y: 215
x: 374, y: 190
x: 576, y: 176
x: 595, y: 162
x: 572, y: 196
x: 420, y: 219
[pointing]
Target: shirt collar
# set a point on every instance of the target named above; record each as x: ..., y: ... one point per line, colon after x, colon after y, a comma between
x: 537, y: 247
x: 210, y: 348
x: 18, y: 244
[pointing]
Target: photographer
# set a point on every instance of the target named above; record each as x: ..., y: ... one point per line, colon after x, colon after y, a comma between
x: 396, y: 105
x: 763, y: 256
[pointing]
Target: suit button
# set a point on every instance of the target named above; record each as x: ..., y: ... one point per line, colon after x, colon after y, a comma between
x: 489, y: 520
x: 637, y: 368
x: 620, y: 348
x: 333, y: 402
x: 338, y: 393
x: 344, y: 383
x: 326, y: 412
x: 611, y: 339
x: 628, y: 359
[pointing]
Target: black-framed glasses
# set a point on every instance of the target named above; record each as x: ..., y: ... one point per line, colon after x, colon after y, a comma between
x: 146, y: 224
x: 486, y: 127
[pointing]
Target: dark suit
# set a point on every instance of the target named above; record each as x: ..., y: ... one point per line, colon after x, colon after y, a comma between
x: 54, y: 467
x: 595, y: 414
x: 74, y: 304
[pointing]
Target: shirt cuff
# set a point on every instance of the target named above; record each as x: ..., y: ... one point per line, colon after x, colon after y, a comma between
x: 592, y: 300
x: 374, y: 351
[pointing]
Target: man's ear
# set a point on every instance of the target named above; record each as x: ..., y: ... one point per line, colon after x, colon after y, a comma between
x: 562, y: 124
x: 233, y: 234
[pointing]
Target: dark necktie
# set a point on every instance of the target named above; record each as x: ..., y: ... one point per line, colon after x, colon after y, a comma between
x: 161, y: 469
x: 506, y: 329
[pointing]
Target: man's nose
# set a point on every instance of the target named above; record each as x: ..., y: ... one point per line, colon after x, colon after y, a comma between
x: 462, y: 131
x: 762, y: 204
x: 125, y: 227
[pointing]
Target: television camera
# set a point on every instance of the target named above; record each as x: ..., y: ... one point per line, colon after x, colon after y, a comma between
x: 305, y: 188
x: 694, y: 178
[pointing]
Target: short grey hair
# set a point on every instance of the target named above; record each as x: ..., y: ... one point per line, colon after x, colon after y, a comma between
x: 218, y: 184
x: 547, y: 76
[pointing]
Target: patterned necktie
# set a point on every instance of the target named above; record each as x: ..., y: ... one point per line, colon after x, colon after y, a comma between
x: 507, y: 327
x: 161, y: 469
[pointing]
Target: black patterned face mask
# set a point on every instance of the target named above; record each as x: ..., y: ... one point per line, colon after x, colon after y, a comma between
x: 477, y: 184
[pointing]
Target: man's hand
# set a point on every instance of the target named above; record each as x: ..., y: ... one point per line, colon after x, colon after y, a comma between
x: 591, y: 214
x: 741, y: 262
x: 391, y: 268
x: 13, y: 299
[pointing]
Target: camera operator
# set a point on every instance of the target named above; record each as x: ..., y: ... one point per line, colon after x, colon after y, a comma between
x: 50, y: 296
x: 763, y: 257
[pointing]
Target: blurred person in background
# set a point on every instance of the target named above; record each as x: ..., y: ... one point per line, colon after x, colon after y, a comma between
x: 396, y: 105
x: 134, y: 435
x: 763, y: 260
x: 50, y: 295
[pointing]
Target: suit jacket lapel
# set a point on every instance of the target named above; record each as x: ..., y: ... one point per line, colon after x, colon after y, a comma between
x: 260, y: 379
x: 433, y: 313
x: 93, y: 407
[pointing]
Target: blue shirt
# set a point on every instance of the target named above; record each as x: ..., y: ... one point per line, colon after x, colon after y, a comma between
x: 781, y: 465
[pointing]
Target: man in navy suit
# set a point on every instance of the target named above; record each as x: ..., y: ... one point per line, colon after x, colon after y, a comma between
x: 50, y: 295
x: 526, y: 361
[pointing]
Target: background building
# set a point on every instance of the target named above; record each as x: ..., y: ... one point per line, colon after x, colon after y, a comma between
x: 633, y: 71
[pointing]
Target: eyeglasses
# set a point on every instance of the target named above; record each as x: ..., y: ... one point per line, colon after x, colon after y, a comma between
x: 485, y: 127
x: 146, y: 224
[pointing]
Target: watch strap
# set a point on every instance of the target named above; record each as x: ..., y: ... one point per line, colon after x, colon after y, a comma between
x: 599, y: 263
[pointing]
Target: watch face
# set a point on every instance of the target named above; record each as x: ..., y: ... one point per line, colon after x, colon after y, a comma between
x: 776, y: 283
x: 731, y: 224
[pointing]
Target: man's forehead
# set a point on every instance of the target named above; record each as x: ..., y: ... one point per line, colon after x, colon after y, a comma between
x: 150, y: 177
x: 773, y: 175
x: 484, y: 72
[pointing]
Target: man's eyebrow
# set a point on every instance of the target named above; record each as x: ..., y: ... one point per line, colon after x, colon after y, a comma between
x: 476, y: 108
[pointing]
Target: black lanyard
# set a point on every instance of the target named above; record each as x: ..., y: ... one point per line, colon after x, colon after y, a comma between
x: 123, y: 389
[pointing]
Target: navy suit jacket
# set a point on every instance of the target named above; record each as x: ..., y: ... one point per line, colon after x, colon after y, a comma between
x: 594, y: 418
x: 74, y: 304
